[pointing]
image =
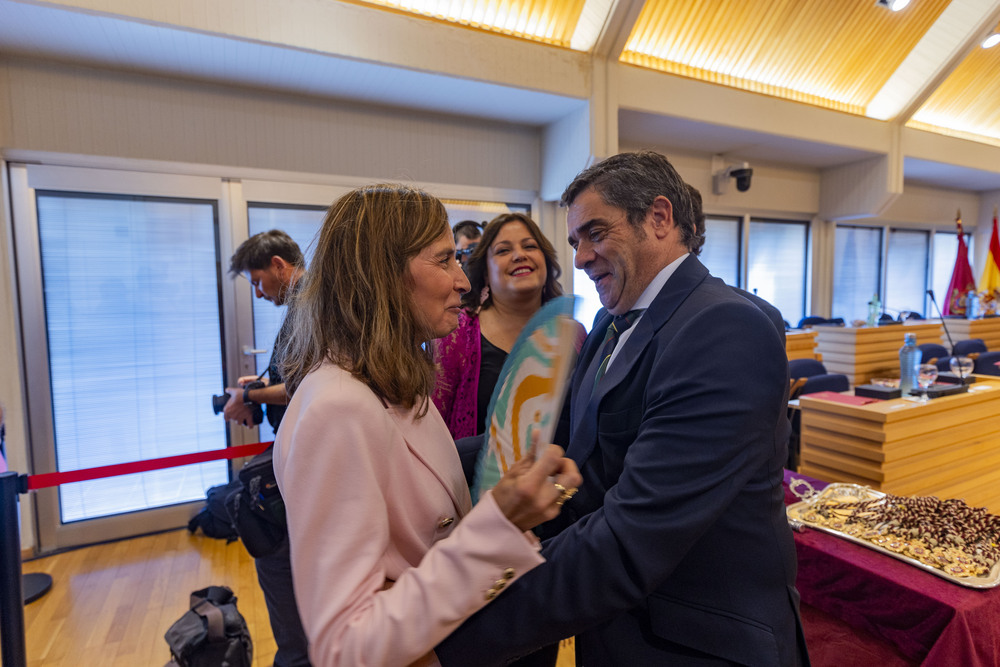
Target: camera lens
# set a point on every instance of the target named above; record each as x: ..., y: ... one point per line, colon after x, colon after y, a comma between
x: 219, y: 402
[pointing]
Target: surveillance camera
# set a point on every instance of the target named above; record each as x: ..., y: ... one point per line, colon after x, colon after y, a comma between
x: 742, y: 176
x: 721, y: 173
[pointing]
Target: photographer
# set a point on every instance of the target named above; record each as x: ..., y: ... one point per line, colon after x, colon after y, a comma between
x: 467, y: 236
x: 273, y: 263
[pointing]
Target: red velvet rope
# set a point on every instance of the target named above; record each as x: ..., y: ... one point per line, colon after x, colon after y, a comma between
x: 56, y: 478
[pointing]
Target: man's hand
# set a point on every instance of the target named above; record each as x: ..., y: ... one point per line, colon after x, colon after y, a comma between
x: 236, y: 410
x: 247, y: 379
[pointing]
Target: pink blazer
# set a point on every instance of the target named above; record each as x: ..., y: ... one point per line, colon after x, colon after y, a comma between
x: 377, y: 498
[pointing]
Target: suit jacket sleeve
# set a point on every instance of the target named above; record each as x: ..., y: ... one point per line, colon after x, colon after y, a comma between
x: 348, y: 483
x: 701, y: 427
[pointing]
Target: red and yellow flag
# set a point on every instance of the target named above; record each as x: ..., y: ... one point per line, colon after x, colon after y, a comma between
x: 989, y: 283
x: 962, y: 281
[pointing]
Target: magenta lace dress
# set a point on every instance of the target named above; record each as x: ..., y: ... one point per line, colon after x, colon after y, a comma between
x: 459, y: 354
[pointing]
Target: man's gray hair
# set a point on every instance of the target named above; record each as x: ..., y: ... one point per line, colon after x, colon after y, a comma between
x: 631, y: 181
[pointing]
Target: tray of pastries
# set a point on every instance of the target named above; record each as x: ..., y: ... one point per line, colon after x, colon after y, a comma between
x: 944, y: 537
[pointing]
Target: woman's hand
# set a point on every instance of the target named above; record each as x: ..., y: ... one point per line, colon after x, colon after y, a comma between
x: 534, y: 489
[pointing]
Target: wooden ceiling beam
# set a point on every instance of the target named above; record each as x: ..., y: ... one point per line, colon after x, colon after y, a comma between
x: 617, y: 29
x: 958, y: 30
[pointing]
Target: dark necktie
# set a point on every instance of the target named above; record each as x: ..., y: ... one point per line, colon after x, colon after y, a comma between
x: 614, y: 332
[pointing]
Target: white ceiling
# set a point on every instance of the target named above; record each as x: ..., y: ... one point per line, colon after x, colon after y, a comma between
x: 638, y: 128
x: 50, y: 32
x: 926, y: 172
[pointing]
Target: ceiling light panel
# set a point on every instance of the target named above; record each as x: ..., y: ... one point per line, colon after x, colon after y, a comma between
x: 967, y: 103
x: 831, y: 53
x: 547, y: 21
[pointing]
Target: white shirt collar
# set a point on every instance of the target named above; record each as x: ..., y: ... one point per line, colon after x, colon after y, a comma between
x: 656, y: 284
x: 646, y: 299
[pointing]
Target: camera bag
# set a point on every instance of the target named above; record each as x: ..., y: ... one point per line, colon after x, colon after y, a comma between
x: 256, y: 507
x: 214, y: 519
x: 212, y: 633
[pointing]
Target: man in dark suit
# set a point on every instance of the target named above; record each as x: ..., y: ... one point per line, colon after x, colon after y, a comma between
x: 676, y: 550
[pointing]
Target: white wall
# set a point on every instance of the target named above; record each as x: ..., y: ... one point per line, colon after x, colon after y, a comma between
x: 775, y: 191
x: 72, y: 109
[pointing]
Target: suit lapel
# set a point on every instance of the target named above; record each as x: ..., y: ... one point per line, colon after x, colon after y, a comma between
x: 583, y: 436
x: 441, y: 458
x: 586, y: 371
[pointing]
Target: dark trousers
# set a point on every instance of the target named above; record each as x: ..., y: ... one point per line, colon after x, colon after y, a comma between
x: 274, y: 573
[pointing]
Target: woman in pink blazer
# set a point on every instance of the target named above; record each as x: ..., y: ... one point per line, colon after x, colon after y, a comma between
x: 388, y: 557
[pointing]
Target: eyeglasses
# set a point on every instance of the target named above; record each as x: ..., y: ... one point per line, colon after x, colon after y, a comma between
x: 465, y: 251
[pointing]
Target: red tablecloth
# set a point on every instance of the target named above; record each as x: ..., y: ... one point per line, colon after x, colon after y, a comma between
x: 905, y: 615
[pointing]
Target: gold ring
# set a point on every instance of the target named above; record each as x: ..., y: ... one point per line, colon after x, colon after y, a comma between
x: 564, y: 493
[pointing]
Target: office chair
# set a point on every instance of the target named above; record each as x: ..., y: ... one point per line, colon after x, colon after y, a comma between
x: 803, y: 368
x: 817, y: 321
x: 810, y: 320
x: 824, y: 382
x: 987, y: 363
x: 808, y: 376
x: 969, y: 348
x: 931, y: 353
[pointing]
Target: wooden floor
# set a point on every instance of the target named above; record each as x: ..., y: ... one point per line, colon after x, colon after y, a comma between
x: 110, y: 604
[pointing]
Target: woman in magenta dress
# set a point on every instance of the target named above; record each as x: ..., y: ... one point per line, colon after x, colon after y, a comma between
x: 513, y: 271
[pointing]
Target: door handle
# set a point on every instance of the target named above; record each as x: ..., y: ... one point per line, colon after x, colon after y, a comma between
x: 249, y: 351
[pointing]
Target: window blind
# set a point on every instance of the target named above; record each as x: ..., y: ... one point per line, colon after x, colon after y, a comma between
x: 721, y: 252
x: 906, y: 271
x: 134, y: 341
x: 857, y: 266
x: 776, y: 265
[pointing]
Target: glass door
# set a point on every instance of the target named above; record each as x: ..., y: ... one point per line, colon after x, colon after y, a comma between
x: 122, y: 318
x: 301, y: 223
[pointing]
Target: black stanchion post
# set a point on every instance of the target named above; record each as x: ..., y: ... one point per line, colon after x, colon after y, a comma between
x: 12, y: 642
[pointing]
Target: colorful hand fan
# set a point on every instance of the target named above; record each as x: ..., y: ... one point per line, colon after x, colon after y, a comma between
x: 529, y: 393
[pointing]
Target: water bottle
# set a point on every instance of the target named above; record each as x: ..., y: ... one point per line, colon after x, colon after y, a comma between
x: 874, y: 309
x: 909, y: 363
x: 972, y: 305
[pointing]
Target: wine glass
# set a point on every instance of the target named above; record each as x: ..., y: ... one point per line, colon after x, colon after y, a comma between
x: 926, y: 375
x: 961, y: 366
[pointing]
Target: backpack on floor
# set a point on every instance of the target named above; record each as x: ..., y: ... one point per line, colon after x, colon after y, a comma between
x: 214, y: 519
x: 212, y: 633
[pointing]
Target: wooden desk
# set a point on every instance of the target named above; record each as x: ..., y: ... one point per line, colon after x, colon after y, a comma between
x: 862, y: 353
x: 948, y: 447
x: 801, y: 344
x: 988, y: 329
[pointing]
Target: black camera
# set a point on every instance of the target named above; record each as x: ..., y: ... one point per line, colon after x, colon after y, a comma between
x: 742, y: 177
x: 219, y: 403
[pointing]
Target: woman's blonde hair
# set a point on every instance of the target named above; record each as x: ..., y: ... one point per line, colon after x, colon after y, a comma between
x: 353, y: 307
